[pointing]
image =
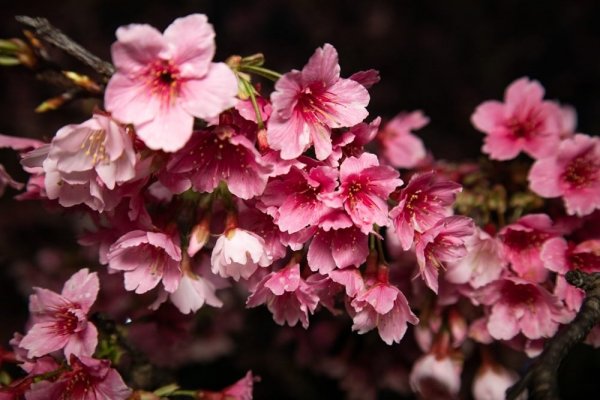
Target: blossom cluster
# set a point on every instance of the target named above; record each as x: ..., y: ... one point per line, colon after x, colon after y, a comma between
x: 192, y: 179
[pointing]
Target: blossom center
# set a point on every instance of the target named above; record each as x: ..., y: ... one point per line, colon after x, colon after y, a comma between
x: 581, y: 172
x: 524, y: 240
x: 68, y: 323
x: 164, y: 80
x: 94, y: 146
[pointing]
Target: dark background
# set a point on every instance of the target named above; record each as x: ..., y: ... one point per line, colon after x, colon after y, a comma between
x: 444, y: 57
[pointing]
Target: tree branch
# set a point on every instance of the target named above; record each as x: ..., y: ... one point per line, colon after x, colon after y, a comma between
x: 541, y: 378
x: 46, y: 31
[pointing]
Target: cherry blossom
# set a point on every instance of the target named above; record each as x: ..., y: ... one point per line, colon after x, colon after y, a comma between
x: 364, y: 189
x: 422, y: 203
x: 400, y: 147
x: 165, y: 80
x: 524, y: 122
x: 60, y: 320
x: 87, y: 379
x: 491, y: 382
x: 289, y: 298
x: 238, y: 253
x: 307, y: 104
x: 436, y: 377
x: 147, y: 258
x: 572, y: 173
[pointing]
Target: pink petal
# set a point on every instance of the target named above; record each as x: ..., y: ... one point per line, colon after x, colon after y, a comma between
x: 169, y: 130
x: 553, y: 254
x: 348, y: 107
x: 193, y: 41
x: 502, y: 323
x: 82, y: 343
x: 42, y: 338
x: 130, y: 100
x: 291, y: 136
x: 349, y: 247
x: 319, y: 255
x: 207, y: 97
x: 82, y: 288
x: 137, y: 46
x: 544, y: 177
x: 322, y: 67
x: 500, y: 146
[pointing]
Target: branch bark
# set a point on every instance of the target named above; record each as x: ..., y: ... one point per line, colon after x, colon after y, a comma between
x: 49, y: 33
x: 541, y: 378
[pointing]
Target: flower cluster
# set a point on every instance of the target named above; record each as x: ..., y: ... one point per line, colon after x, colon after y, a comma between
x: 194, y: 179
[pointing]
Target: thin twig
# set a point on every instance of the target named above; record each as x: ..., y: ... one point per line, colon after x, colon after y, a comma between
x: 541, y: 379
x: 46, y: 31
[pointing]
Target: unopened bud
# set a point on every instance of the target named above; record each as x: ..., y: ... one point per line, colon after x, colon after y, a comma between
x: 199, y: 237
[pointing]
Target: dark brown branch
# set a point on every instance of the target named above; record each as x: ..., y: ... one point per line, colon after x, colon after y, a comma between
x: 46, y: 31
x: 541, y: 378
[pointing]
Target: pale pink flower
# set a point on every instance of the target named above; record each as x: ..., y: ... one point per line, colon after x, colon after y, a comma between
x: 484, y: 262
x: 384, y: 307
x: 491, y: 382
x: 165, y: 80
x: 193, y: 292
x: 289, y: 297
x: 147, y: 258
x: 295, y: 199
x: 572, y: 173
x: 523, y: 240
x: 218, y: 154
x: 364, y: 190
x: 238, y: 253
x: 520, y: 306
x: 307, y: 104
x: 60, y: 320
x: 337, y: 244
x: 87, y: 379
x: 436, y: 377
x: 443, y: 243
x: 401, y: 148
x: 524, y: 122
x: 423, y: 202
x: 87, y: 162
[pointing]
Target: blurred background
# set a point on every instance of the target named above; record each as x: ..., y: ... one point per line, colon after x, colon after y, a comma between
x: 441, y: 57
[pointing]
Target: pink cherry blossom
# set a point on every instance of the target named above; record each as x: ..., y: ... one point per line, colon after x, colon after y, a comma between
x: 560, y: 256
x: 384, y: 307
x: 422, y: 203
x: 524, y: 122
x: 238, y: 253
x: 165, y: 80
x: 337, y: 244
x: 242, y: 389
x: 289, y: 297
x: 401, y: 148
x: 523, y: 240
x: 88, y: 379
x: 436, y: 377
x: 307, y: 104
x: 147, y: 258
x: 60, y: 320
x: 295, y: 199
x: 87, y: 163
x: 364, y: 190
x: 443, y: 243
x: 491, y: 382
x: 572, y: 173
x: 484, y: 262
x: 221, y: 154
x: 351, y: 143
x: 520, y: 306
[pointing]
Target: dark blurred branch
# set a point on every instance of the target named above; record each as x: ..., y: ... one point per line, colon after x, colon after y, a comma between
x: 54, y: 36
x: 541, y: 379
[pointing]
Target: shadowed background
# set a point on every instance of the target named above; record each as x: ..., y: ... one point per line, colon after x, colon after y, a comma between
x: 442, y: 57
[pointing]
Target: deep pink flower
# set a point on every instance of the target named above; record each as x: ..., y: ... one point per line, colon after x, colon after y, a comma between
x: 423, y: 202
x: 384, y: 307
x: 289, y: 297
x: 401, y: 148
x: 364, y: 190
x: 351, y: 143
x: 221, y: 154
x: 436, y: 377
x: 87, y: 162
x: 337, y: 244
x: 524, y: 122
x: 88, y: 379
x: 560, y: 256
x: 238, y: 253
x: 443, y: 243
x: 307, y: 104
x: 147, y: 259
x: 484, y: 262
x: 520, y: 306
x: 523, y: 240
x: 295, y: 199
x: 60, y: 320
x: 165, y: 80
x: 573, y: 173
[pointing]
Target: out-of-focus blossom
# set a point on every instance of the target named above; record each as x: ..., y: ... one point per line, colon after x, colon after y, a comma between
x: 491, y: 382
x: 436, y: 377
x: 401, y: 148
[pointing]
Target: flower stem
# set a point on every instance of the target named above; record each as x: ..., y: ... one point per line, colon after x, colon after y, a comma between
x: 265, y: 73
x: 250, y: 90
